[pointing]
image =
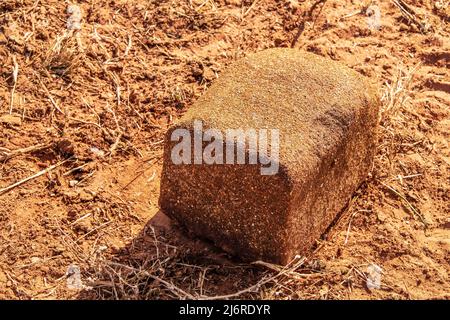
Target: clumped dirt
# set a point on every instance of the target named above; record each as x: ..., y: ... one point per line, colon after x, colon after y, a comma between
x: 92, y: 105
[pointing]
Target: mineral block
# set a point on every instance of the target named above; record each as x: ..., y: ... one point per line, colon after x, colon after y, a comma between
x: 271, y: 197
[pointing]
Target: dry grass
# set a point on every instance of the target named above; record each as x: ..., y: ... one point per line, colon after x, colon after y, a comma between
x: 397, y: 92
x: 177, y: 272
x: 172, y: 272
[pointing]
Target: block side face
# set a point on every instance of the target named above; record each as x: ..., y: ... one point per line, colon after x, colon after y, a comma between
x: 318, y: 200
x: 240, y: 210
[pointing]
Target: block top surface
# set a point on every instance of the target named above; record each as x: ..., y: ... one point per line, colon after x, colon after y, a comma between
x: 311, y: 100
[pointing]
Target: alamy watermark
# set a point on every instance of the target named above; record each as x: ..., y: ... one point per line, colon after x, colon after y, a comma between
x: 374, y: 273
x: 231, y: 146
x: 373, y: 14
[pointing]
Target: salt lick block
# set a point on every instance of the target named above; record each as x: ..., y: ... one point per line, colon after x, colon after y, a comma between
x: 327, y: 117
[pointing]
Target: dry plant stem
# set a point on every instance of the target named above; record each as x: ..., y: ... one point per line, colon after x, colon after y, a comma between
x: 51, y: 98
x: 410, y: 15
x: 350, y: 224
x: 249, y: 9
x: 408, y: 204
x: 113, y: 148
x: 36, y: 175
x: 86, y: 122
x: 174, y: 289
x: 288, y: 270
x: 140, y: 173
x: 22, y: 151
x: 93, y: 230
x: 397, y: 93
x: 116, y: 143
x: 307, y: 17
x: 76, y: 168
x: 284, y: 271
x: 15, y: 74
x: 354, y: 13
x: 292, y: 274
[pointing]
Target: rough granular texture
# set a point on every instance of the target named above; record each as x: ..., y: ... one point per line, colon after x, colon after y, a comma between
x: 327, y: 117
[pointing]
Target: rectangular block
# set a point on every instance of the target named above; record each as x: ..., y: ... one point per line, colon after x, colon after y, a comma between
x: 325, y: 117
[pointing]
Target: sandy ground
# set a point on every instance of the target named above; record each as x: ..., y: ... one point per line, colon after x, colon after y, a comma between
x: 94, y: 104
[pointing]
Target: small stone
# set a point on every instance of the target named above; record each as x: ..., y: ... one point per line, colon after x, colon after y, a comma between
x: 70, y: 195
x: 381, y: 216
x: 65, y: 147
x: 86, y: 196
x: 97, y: 152
x: 35, y: 260
x: 73, y: 183
x: 209, y: 74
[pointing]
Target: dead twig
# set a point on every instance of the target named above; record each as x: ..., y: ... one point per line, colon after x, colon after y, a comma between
x: 350, y: 224
x: 292, y: 274
x: 113, y: 148
x: 284, y: 271
x: 411, y: 16
x: 76, y: 168
x: 36, y: 175
x: 140, y: 173
x: 93, y: 230
x: 307, y: 16
x: 15, y: 74
x: 408, y: 204
x: 51, y: 98
x: 249, y: 9
x: 18, y: 152
x: 173, y: 288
